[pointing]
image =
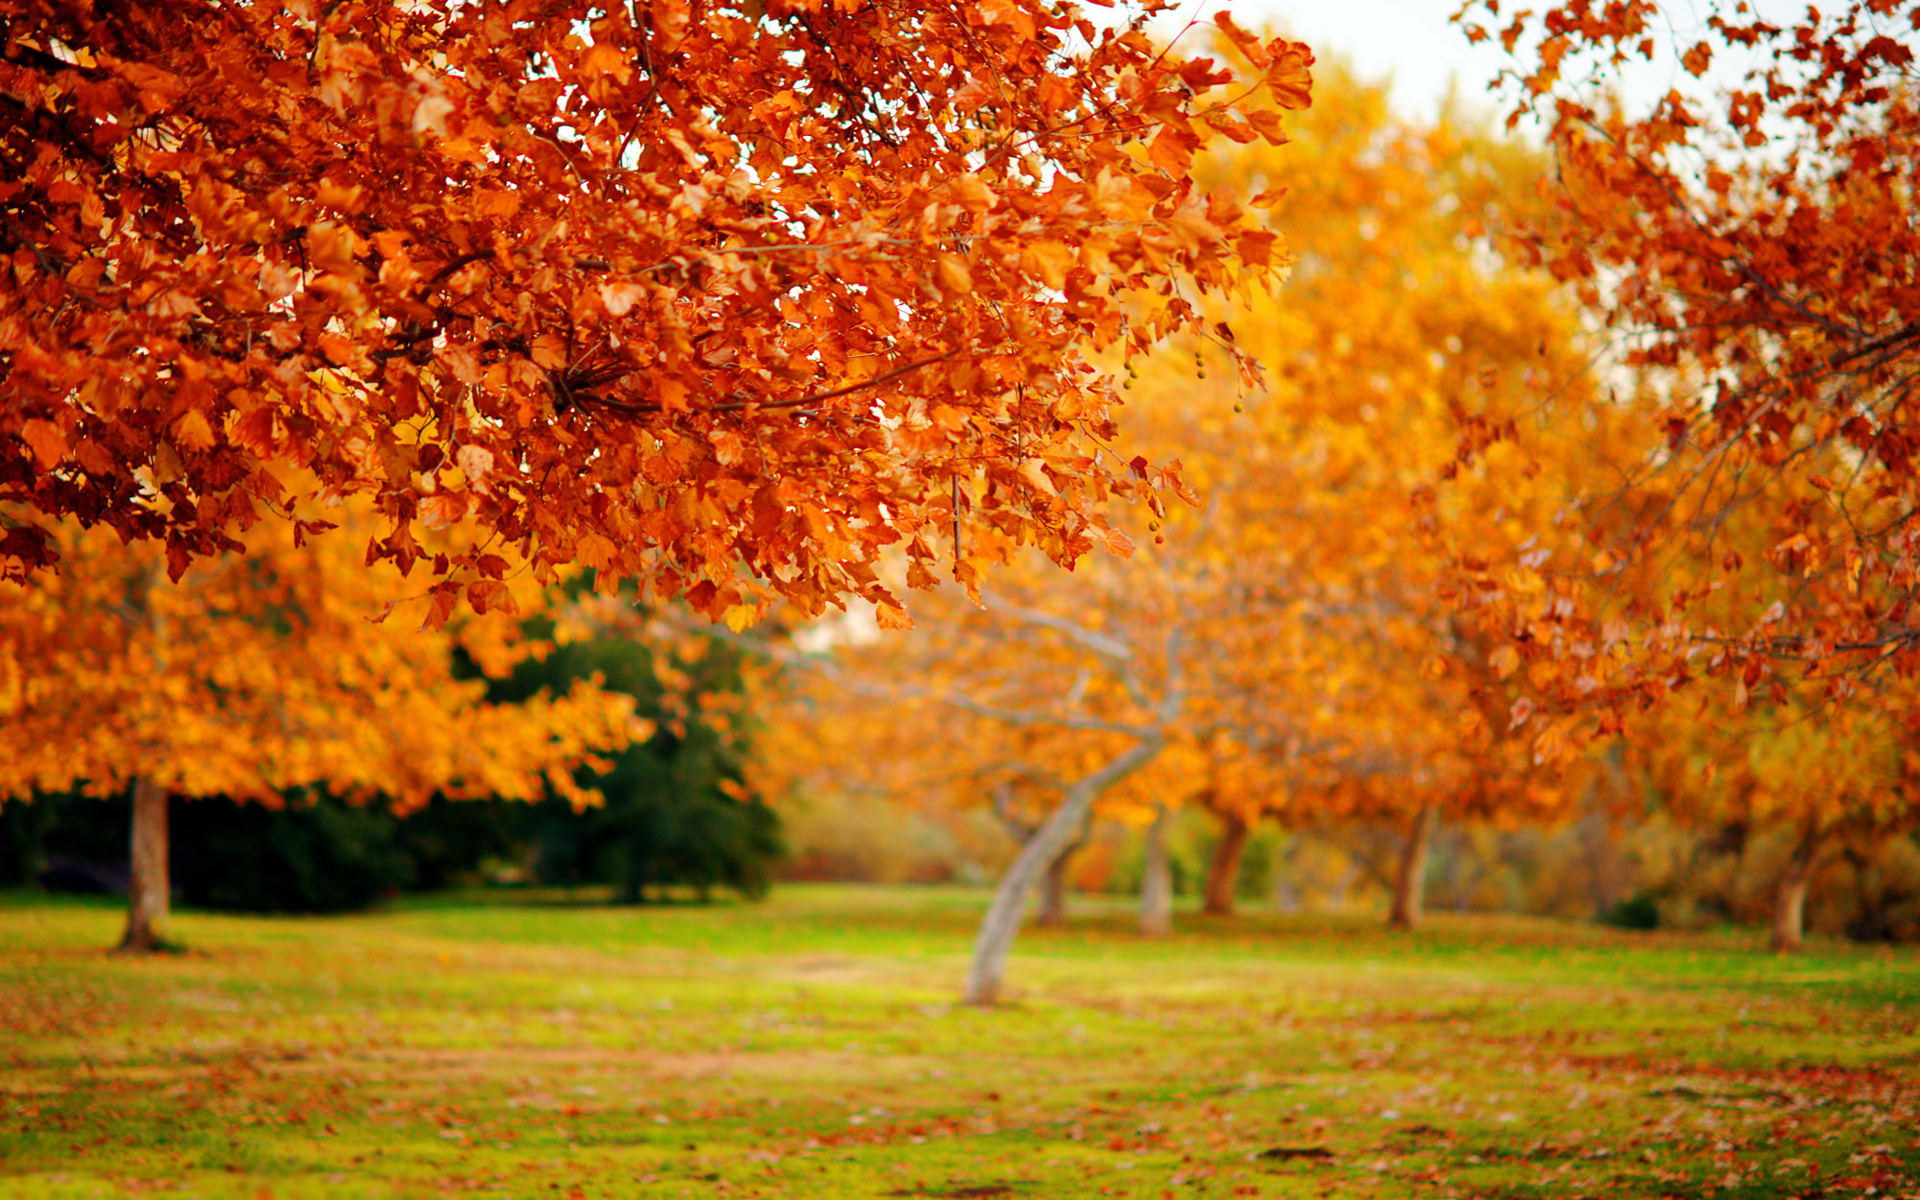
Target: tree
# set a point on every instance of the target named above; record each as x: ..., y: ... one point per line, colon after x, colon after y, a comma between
x: 1813, y: 776
x: 980, y: 698
x: 724, y: 300
x: 1296, y: 608
x: 1750, y: 242
x: 255, y: 677
x: 674, y: 807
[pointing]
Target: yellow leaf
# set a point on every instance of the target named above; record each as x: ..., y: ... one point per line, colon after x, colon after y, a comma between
x: 1505, y: 660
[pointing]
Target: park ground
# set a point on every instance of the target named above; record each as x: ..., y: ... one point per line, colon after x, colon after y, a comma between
x: 809, y: 1046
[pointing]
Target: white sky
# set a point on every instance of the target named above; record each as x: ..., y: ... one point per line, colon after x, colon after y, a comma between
x: 1409, y: 40
x: 1414, y: 43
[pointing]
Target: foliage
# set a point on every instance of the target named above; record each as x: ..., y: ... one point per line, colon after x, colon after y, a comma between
x: 799, y: 1048
x: 261, y: 675
x: 723, y: 299
x: 323, y: 857
x: 673, y: 808
x: 312, y: 853
x: 1283, y: 643
x: 1749, y: 243
x: 1640, y: 911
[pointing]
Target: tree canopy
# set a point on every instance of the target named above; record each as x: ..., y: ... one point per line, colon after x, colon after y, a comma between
x: 722, y: 301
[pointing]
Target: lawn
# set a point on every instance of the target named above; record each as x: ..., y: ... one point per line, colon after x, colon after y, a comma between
x: 809, y: 1046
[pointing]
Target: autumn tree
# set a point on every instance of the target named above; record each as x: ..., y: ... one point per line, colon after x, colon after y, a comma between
x: 1346, y: 490
x: 1016, y: 692
x: 1749, y: 243
x: 1305, y: 570
x: 722, y: 299
x: 257, y: 677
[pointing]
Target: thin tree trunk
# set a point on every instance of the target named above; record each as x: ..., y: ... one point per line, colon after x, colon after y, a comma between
x: 1409, y: 888
x: 1053, y: 889
x: 1002, y: 921
x: 1156, y: 878
x: 1223, y: 873
x: 1790, y: 902
x: 1286, y: 888
x: 1053, y: 892
x: 148, y: 888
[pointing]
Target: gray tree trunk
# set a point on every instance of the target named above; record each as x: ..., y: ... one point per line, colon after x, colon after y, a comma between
x: 148, y: 887
x: 1409, y: 887
x: 1790, y: 902
x: 1002, y: 921
x: 1156, y: 878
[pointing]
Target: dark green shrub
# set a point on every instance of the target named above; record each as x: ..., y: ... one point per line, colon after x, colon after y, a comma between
x: 1637, y: 912
x: 677, y: 812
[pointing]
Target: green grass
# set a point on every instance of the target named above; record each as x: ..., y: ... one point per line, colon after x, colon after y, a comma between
x: 809, y: 1046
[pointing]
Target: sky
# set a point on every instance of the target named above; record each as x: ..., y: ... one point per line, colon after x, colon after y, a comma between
x: 1414, y: 43
x: 1409, y: 40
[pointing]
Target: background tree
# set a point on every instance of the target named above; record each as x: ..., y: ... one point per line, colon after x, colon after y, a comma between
x: 1299, y: 611
x: 257, y: 676
x: 674, y: 808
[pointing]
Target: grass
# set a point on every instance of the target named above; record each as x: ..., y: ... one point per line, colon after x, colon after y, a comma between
x: 808, y: 1046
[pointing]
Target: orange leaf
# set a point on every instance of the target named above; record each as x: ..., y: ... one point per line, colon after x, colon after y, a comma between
x: 48, y: 443
x: 890, y: 615
x: 191, y: 431
x: 1050, y: 261
x: 954, y: 278
x: 1289, y: 76
x: 441, y: 510
x: 596, y: 551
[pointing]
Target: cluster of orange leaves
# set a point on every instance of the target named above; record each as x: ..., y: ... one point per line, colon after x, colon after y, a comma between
x: 724, y: 302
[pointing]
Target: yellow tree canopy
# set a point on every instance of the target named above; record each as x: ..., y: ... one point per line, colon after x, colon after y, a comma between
x: 263, y: 672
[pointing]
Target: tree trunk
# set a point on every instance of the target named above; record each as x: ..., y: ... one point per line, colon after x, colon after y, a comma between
x: 1223, y: 873
x: 1053, y: 891
x: 1156, y: 878
x: 1002, y: 921
x: 1790, y: 903
x: 148, y: 888
x: 1409, y: 888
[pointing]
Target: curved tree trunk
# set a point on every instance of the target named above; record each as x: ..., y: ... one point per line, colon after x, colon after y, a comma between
x: 1409, y: 888
x: 1002, y: 922
x: 148, y: 888
x: 1223, y: 872
x: 1156, y: 878
x: 1790, y: 902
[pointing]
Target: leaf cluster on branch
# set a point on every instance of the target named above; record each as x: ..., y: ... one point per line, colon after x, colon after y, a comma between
x: 720, y: 297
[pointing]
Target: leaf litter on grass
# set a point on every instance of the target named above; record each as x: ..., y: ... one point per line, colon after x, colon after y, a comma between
x: 488, y: 1049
